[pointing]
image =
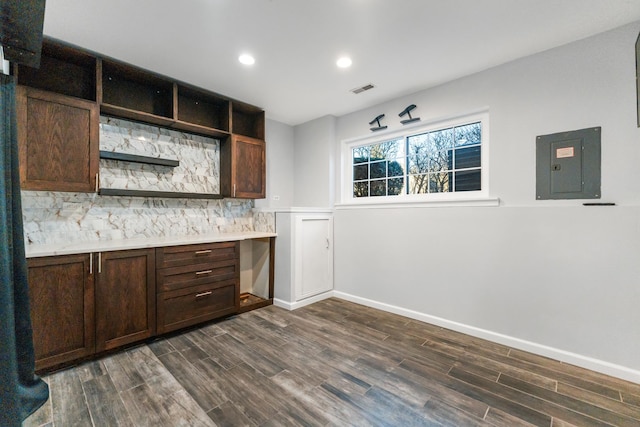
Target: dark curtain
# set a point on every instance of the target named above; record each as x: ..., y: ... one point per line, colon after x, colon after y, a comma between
x: 21, y: 391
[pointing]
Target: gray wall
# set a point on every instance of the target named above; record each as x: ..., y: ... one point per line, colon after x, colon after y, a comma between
x: 553, y: 273
x: 314, y: 163
x: 280, y: 165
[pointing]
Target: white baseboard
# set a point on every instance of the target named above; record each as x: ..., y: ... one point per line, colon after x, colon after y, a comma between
x: 597, y: 365
x: 293, y: 305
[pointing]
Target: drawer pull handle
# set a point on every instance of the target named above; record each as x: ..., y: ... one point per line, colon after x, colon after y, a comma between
x: 203, y: 294
x: 206, y: 251
x: 199, y: 273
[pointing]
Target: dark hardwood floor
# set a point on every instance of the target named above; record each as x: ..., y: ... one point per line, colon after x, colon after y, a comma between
x: 332, y: 363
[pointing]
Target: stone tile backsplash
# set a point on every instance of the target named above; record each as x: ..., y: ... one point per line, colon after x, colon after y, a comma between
x: 61, y: 217
x: 199, y: 158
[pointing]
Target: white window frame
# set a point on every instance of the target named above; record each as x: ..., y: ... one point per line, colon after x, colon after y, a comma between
x: 434, y: 199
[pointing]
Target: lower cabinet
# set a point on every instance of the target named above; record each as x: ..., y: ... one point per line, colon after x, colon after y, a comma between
x: 89, y: 303
x: 189, y: 306
x: 304, y: 256
x: 61, y: 291
x: 125, y: 297
x: 197, y: 283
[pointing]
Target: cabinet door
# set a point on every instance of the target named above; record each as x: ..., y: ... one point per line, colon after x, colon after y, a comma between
x: 125, y: 297
x: 243, y: 168
x: 61, y: 292
x: 313, y: 255
x: 58, y: 139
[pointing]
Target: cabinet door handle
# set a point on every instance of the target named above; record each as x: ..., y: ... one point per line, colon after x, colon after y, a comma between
x: 206, y: 251
x: 203, y: 294
x: 90, y: 263
x: 99, y: 262
x: 327, y: 243
x: 234, y: 190
x: 97, y: 182
x: 199, y: 273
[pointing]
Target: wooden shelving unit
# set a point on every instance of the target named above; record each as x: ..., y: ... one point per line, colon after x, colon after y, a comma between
x: 122, y: 90
x: 250, y: 302
x: 63, y: 70
x: 247, y: 120
x: 133, y: 93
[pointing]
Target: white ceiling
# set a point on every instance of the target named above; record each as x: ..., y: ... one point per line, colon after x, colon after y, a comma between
x: 400, y: 46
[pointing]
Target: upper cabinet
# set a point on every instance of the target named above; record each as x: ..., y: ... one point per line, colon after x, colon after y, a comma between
x: 242, y: 168
x: 58, y: 141
x: 59, y: 122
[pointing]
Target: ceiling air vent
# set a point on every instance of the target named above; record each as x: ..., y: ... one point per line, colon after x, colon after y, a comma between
x: 362, y: 88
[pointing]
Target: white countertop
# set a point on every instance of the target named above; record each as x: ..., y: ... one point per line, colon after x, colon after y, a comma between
x: 34, y: 251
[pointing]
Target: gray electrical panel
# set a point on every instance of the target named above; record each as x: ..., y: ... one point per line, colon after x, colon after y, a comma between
x: 568, y: 165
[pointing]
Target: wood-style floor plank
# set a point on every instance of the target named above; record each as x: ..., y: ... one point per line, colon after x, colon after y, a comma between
x: 104, y: 402
x: 332, y: 363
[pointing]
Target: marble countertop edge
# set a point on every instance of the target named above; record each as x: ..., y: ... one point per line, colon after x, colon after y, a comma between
x: 37, y: 250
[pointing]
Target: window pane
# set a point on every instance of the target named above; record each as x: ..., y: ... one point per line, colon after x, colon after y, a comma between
x: 379, y: 187
x: 441, y: 139
x: 418, y: 184
x: 387, y: 150
x: 419, y: 154
x: 468, y: 134
x: 396, y: 186
x: 439, y: 182
x: 361, y: 189
x: 379, y: 170
x: 468, y: 180
x: 441, y: 161
x: 468, y: 157
x: 360, y: 172
x: 395, y: 167
x: 360, y: 155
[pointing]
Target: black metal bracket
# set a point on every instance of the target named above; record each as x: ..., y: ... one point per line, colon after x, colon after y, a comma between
x: 408, y: 111
x: 377, y: 121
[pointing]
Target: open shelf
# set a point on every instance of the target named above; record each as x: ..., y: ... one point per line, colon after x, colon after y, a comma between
x: 135, y: 115
x: 63, y: 70
x: 247, y: 120
x: 126, y: 89
x: 165, y: 194
x: 134, y: 158
x: 201, y: 130
x: 201, y: 108
x: 250, y: 302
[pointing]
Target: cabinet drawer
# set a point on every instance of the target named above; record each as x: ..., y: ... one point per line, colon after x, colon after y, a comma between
x: 186, y: 307
x: 175, y: 256
x: 170, y: 279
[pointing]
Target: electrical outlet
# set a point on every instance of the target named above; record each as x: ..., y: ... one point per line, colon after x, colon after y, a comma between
x: 276, y: 198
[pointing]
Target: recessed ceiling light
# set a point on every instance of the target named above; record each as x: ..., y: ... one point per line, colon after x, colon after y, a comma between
x: 246, y: 59
x: 344, y: 62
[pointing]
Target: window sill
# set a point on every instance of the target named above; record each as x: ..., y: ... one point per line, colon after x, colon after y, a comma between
x: 471, y: 202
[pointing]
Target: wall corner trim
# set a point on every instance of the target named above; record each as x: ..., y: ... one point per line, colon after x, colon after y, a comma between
x: 299, y: 304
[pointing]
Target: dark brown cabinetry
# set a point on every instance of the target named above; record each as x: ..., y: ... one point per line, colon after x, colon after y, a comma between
x: 125, y: 297
x: 59, y: 123
x: 131, y: 93
x: 243, y: 167
x: 196, y: 283
x: 61, y: 290
x: 90, y: 303
x: 58, y: 141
